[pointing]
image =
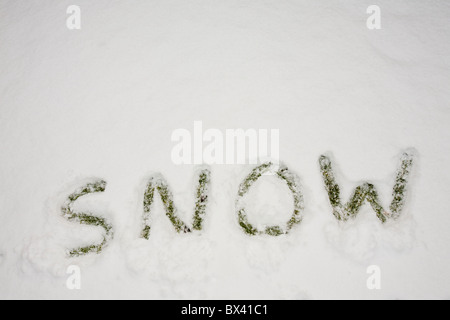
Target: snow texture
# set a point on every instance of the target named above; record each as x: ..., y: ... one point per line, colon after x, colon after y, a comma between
x: 101, y: 103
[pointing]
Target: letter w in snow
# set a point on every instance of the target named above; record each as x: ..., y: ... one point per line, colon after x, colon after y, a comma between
x: 367, y: 191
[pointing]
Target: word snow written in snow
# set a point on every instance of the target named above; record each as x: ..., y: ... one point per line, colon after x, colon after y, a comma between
x: 366, y: 192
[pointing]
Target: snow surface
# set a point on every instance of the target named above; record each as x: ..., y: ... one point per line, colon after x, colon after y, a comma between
x: 102, y: 102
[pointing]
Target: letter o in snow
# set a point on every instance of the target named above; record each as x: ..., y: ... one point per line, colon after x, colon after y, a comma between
x: 292, y: 181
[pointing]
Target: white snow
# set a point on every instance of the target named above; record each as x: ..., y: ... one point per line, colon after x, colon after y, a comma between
x: 103, y: 101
